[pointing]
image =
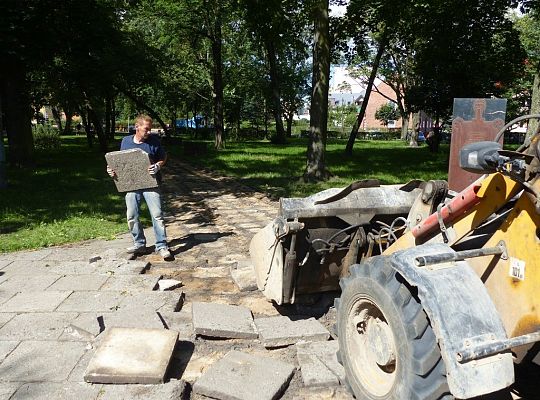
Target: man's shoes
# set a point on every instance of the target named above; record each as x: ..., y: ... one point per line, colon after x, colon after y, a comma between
x: 165, y: 253
x: 134, y: 251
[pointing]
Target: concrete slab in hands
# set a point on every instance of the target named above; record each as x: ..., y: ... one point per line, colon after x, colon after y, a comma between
x: 129, y: 355
x: 241, y: 376
x: 35, y: 301
x: 131, y: 167
x: 34, y: 361
x: 223, y: 320
x: 283, y: 331
x: 319, y: 364
x: 243, y: 274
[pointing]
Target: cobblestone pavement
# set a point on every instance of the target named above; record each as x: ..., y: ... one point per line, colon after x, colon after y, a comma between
x: 54, y: 303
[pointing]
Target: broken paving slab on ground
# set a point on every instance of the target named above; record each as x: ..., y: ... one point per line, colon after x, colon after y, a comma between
x: 241, y: 376
x: 223, y: 321
x: 284, y: 331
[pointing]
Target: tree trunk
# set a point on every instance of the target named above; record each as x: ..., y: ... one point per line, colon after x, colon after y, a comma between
x: 113, y: 118
x: 98, y: 127
x: 69, y: 118
x: 218, y: 79
x: 17, y: 113
x: 143, y: 106
x: 535, y: 107
x: 413, y: 140
x: 404, y: 125
x: 362, y: 113
x: 107, y: 117
x: 57, y: 118
x: 289, y: 118
x: 316, y: 165
x: 274, y: 86
x: 86, y: 126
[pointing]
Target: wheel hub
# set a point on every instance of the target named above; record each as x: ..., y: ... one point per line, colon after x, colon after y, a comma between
x: 381, y: 342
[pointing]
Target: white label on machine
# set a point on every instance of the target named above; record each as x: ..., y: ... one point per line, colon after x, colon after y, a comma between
x: 517, y: 269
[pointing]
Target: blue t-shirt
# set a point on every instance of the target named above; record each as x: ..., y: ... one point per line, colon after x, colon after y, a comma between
x: 151, y: 146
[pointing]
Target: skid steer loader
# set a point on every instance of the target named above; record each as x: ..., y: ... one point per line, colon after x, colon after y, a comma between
x: 440, y: 291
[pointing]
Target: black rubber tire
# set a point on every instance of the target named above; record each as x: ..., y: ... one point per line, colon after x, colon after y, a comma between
x: 419, y: 369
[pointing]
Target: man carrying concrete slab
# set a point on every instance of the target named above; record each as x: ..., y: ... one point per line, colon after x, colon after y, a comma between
x: 150, y: 144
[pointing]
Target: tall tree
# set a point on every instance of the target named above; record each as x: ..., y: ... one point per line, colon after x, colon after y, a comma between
x: 316, y: 165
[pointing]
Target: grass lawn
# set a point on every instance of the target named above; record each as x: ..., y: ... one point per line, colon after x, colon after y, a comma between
x: 68, y: 196
x: 277, y: 169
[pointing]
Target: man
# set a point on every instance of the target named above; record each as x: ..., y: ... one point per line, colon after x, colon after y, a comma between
x: 142, y: 139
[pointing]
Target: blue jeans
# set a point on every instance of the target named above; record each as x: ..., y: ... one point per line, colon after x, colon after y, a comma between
x: 152, y: 198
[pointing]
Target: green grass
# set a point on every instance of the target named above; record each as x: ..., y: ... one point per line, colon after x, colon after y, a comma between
x: 277, y: 169
x: 67, y: 197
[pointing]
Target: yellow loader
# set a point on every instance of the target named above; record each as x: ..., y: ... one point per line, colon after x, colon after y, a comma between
x: 440, y: 291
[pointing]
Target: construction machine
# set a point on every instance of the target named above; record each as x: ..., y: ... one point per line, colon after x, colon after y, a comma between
x: 440, y: 290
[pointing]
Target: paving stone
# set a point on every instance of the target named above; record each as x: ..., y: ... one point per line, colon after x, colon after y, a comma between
x: 5, y: 296
x: 131, y: 167
x: 243, y: 274
x: 26, y: 283
x: 5, y: 317
x: 77, y: 373
x: 73, y: 268
x: 34, y: 361
x: 36, y: 255
x: 35, y: 301
x: 168, y: 284
x: 321, y: 393
x: 36, y: 326
x: 6, y: 347
x: 132, y: 282
x: 75, y: 333
x: 57, y: 391
x: 319, y: 364
x: 139, y: 317
x: 28, y: 268
x: 7, y: 390
x: 173, y: 390
x: 180, y: 322
x: 242, y: 376
x: 223, y: 320
x: 91, y: 322
x: 132, y: 356
x: 5, y: 263
x: 122, y: 267
x: 79, y: 282
x: 283, y: 331
x: 159, y: 301
x: 88, y: 301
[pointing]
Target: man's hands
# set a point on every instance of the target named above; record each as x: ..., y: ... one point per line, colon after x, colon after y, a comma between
x: 154, y: 168
x: 111, y: 172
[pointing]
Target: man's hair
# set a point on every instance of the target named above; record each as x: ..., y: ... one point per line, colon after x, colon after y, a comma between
x: 143, y: 117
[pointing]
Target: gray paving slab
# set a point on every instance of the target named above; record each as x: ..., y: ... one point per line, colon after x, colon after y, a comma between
x: 75, y: 333
x: 318, y: 361
x: 132, y: 282
x: 35, y: 301
x: 73, y: 268
x: 5, y: 296
x: 88, y: 301
x: 121, y: 267
x: 243, y: 274
x: 36, y: 326
x: 39, y: 361
x: 283, y: 331
x: 57, y: 391
x: 326, y: 353
x: 223, y: 320
x: 5, y: 317
x: 20, y: 267
x: 130, y: 355
x: 35, y: 255
x: 168, y: 284
x: 173, y: 390
x: 79, y: 282
x: 28, y: 283
x: 180, y: 322
x: 91, y: 322
x: 138, y: 317
x: 6, y: 347
x: 131, y: 167
x: 7, y: 389
x: 322, y: 393
x: 77, y: 373
x: 241, y: 376
x: 5, y: 263
x: 159, y: 301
